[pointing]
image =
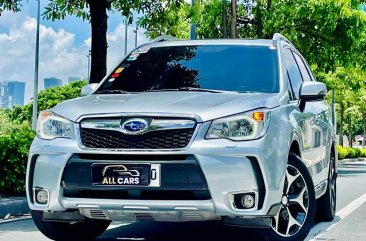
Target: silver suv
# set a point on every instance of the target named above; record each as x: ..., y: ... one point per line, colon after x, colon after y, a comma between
x: 230, y: 130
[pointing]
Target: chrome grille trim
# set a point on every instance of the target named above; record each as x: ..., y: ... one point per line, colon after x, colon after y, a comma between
x: 120, y: 116
x: 155, y: 124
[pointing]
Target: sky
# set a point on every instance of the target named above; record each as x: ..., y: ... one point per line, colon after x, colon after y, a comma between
x: 64, y: 45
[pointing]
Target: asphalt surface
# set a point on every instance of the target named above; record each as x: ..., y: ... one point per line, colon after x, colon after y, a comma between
x: 349, y: 225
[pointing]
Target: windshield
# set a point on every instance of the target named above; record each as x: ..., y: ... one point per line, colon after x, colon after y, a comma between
x: 217, y: 67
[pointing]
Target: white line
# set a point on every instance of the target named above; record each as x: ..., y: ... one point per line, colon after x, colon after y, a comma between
x: 14, y: 219
x: 321, y: 228
x: 120, y: 224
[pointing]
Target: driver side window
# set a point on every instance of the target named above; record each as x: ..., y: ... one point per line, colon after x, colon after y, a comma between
x: 293, y: 73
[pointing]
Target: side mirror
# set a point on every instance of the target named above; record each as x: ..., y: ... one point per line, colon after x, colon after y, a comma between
x: 313, y: 91
x: 88, y: 89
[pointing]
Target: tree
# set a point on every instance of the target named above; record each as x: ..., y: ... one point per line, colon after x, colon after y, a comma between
x: 96, y: 12
x: 329, y: 33
x: 10, y: 5
x: 97, y: 15
x: 348, y: 85
x: 364, y: 127
x: 361, y: 104
x: 171, y: 19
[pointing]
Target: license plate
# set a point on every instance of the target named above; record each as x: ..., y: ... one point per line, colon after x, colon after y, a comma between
x: 126, y: 175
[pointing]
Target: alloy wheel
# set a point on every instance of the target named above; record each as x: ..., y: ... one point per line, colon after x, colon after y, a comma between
x: 294, y: 204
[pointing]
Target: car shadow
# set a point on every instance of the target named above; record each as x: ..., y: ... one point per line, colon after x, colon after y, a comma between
x: 193, y: 231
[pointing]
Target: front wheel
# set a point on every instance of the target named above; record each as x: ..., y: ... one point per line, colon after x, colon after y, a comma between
x: 296, y: 215
x: 70, y: 231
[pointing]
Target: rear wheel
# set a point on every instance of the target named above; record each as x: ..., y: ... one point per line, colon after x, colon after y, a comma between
x: 326, y: 205
x: 296, y: 214
x: 70, y: 231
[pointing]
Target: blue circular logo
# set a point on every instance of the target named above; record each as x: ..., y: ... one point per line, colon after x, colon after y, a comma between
x: 135, y: 126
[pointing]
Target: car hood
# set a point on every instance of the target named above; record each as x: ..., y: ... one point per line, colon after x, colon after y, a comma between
x: 205, y: 105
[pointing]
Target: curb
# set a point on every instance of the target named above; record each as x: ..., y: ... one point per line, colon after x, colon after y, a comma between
x: 13, y: 206
x: 360, y: 159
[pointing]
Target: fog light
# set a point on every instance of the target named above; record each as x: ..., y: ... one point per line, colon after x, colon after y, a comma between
x: 248, y: 201
x: 41, y: 196
x: 244, y: 200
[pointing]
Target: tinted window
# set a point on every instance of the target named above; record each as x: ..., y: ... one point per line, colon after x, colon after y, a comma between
x: 304, y: 71
x: 220, y: 67
x: 293, y: 72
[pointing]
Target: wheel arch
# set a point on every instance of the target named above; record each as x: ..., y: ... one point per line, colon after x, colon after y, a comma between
x: 334, y: 151
x: 295, y: 148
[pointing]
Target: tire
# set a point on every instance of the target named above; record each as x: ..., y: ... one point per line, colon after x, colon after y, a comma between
x: 295, y: 217
x: 69, y: 231
x: 327, y: 204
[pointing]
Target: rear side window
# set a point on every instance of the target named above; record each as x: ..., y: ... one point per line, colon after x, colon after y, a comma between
x: 293, y: 73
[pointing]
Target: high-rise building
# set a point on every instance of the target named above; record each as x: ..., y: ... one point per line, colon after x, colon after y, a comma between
x: 11, y: 94
x: 73, y: 79
x: 52, y: 82
x: 2, y: 97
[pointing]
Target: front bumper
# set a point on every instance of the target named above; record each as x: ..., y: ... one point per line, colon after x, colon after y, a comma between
x: 228, y: 167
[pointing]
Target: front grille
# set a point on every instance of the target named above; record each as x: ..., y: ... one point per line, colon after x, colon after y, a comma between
x: 163, y: 139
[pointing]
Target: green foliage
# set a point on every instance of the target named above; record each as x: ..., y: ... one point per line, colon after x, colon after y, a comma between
x: 347, y: 152
x: 161, y: 13
x: 209, y: 19
x: 58, y: 9
x: 329, y: 33
x: 46, y: 99
x: 166, y: 18
x: 363, y: 152
x: 349, y: 86
x: 13, y: 5
x: 342, y: 152
x: 16, y: 135
x: 14, y: 148
x: 53, y: 96
x: 5, y: 125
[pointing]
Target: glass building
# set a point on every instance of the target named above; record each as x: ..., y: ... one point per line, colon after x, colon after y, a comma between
x: 11, y: 94
x: 52, y: 82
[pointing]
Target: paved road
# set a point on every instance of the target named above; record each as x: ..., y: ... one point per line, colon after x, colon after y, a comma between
x: 348, y: 226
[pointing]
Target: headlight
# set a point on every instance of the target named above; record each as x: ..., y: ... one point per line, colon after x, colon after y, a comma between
x: 245, y: 126
x: 51, y: 126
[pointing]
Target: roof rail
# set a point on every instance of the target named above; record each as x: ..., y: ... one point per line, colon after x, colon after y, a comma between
x: 278, y: 36
x: 164, y: 38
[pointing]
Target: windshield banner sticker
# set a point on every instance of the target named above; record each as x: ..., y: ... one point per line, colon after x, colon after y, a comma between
x: 141, y: 51
x: 119, y: 70
x: 133, y: 57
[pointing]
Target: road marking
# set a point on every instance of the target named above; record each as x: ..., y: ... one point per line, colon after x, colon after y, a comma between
x: 118, y: 224
x: 14, y: 219
x: 321, y: 228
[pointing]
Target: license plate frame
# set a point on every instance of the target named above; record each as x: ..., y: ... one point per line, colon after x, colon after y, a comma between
x: 115, y: 174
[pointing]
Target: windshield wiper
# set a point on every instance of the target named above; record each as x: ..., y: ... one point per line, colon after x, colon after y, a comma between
x: 186, y: 89
x: 112, y: 92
